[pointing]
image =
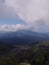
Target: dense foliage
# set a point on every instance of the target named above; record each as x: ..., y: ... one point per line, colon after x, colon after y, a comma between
x: 37, y: 54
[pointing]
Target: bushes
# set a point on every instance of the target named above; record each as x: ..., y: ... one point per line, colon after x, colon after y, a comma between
x: 17, y: 56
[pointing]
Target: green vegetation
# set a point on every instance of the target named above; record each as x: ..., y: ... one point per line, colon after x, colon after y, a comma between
x: 36, y: 55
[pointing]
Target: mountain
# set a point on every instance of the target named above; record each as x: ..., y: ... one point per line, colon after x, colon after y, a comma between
x: 24, y: 47
x: 2, y: 32
x: 23, y: 37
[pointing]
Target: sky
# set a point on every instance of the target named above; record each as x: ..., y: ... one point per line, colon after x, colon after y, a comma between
x: 24, y: 14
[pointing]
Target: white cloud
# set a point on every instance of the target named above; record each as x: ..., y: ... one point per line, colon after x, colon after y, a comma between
x: 13, y: 27
x: 29, y: 10
x: 6, y: 12
x: 41, y: 27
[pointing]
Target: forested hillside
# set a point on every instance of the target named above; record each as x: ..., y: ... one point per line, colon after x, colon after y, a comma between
x: 37, y: 54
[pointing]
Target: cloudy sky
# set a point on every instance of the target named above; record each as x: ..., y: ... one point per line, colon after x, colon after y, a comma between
x: 24, y: 14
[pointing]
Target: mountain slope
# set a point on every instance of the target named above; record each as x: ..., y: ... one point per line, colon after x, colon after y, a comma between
x: 35, y: 55
x: 23, y: 37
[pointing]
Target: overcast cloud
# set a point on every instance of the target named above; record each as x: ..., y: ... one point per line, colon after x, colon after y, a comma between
x: 33, y: 12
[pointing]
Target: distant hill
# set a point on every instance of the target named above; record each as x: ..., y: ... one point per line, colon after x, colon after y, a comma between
x: 23, y: 37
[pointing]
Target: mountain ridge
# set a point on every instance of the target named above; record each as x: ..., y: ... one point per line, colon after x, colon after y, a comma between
x: 23, y: 37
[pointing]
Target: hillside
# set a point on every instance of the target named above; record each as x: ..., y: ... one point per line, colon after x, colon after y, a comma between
x: 23, y: 37
x: 37, y: 54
